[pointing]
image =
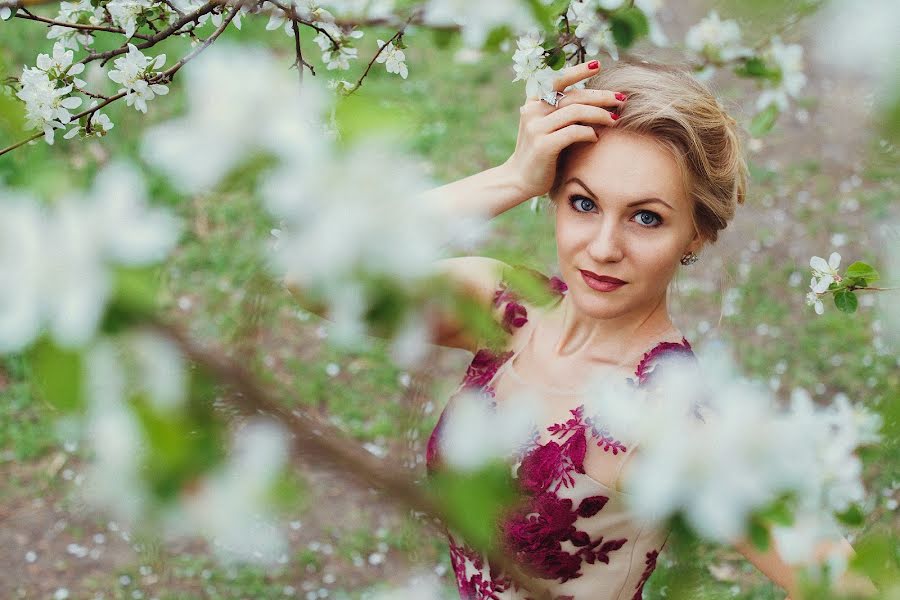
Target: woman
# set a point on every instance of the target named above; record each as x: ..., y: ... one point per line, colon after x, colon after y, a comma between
x: 643, y: 168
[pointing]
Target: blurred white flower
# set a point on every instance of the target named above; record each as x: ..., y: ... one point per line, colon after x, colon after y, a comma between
x: 719, y: 468
x: 812, y: 299
x: 394, y: 59
x: 59, y: 259
x: 789, y: 59
x: 842, y: 33
x: 6, y: 13
x: 230, y: 506
x: 720, y: 40
x: 477, y: 18
x: 264, y: 112
x: 473, y: 433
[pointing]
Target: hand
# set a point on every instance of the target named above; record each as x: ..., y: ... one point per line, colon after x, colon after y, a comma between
x: 544, y: 130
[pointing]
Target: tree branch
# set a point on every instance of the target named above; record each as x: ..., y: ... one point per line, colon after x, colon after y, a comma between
x: 323, y: 441
x: 81, y: 26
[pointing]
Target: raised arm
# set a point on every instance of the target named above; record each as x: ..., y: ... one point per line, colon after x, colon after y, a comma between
x: 773, y: 566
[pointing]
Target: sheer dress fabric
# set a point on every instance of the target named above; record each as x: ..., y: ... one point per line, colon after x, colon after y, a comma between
x: 572, y: 529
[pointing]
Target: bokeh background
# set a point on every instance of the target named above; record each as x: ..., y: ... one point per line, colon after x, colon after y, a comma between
x: 824, y: 179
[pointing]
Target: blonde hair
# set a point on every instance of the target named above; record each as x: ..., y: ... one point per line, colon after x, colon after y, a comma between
x: 667, y: 104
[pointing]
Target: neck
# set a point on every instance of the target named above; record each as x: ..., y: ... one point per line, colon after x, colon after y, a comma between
x: 609, y: 341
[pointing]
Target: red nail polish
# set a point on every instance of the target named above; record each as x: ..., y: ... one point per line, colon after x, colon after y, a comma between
x: 594, y: 64
x: 614, y: 116
x: 620, y: 96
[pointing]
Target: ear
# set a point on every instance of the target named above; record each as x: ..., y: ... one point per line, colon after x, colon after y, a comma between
x: 696, y: 244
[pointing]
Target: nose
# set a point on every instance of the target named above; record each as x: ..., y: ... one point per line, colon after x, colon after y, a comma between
x: 606, y: 245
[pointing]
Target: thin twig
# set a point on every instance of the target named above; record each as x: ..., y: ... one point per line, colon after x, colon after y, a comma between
x: 170, y: 72
x: 81, y: 26
x: 298, y: 50
x: 396, y: 36
x: 155, y: 39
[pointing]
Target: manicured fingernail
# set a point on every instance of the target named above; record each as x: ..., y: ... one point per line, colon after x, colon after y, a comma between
x: 614, y: 116
x: 620, y: 96
x: 594, y: 64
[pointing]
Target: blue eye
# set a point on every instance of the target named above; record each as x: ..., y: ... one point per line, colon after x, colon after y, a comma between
x: 575, y: 201
x: 586, y: 205
x: 641, y: 218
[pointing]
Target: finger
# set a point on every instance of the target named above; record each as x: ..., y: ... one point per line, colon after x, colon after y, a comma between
x: 575, y: 113
x: 570, y: 135
x: 592, y: 97
x: 575, y: 73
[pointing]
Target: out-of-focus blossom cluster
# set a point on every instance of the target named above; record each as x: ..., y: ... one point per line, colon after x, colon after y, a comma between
x: 225, y: 505
x: 55, y: 262
x: 344, y: 224
x: 716, y: 447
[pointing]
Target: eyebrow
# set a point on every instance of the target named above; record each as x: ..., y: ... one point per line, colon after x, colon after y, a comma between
x: 635, y: 203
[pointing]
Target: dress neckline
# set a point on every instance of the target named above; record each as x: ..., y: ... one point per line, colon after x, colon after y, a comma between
x: 635, y: 375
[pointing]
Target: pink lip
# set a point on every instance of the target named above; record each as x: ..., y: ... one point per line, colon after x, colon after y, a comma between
x: 601, y: 283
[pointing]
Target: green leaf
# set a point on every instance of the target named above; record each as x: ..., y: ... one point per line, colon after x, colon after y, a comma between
x: 853, y: 516
x: 474, y: 500
x: 442, y: 37
x: 58, y: 375
x: 628, y: 25
x: 864, y: 270
x: 542, y: 14
x: 135, y: 290
x: 755, y: 66
x: 845, y: 300
x: 759, y: 534
x: 779, y: 512
x: 876, y: 555
x: 763, y: 122
x: 557, y: 59
x: 496, y: 37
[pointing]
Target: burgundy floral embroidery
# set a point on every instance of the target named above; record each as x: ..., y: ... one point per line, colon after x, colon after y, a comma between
x: 643, y: 370
x: 650, y: 563
x: 558, y: 285
x: 579, y: 422
x: 483, y: 367
x: 477, y: 587
x: 534, y: 534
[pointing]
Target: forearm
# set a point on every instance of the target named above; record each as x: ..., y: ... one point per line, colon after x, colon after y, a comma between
x: 485, y: 194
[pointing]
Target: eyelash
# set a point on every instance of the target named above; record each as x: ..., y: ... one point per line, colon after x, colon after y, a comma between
x: 577, y: 198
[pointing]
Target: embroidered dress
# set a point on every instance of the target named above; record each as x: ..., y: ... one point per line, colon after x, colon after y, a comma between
x: 572, y: 529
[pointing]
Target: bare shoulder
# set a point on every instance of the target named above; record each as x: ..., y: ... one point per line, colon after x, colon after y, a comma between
x: 492, y: 285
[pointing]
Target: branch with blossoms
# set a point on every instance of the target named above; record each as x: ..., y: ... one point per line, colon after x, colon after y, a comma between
x: 826, y: 279
x: 546, y: 41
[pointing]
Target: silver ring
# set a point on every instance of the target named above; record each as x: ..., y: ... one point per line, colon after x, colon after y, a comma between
x: 553, y: 98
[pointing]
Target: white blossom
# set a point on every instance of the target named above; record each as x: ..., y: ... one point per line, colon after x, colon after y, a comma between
x: 474, y: 433
x: 264, y: 112
x: 528, y: 64
x: 720, y: 40
x: 393, y: 58
x: 46, y: 105
x: 812, y: 299
x: 131, y: 72
x: 336, y: 58
x: 824, y: 273
x: 100, y: 125
x: 6, y: 13
x: 477, y: 18
x: 67, y: 252
x: 229, y: 505
x: 789, y: 59
x: 76, y: 12
x: 125, y: 13
x: 718, y: 469
x: 594, y: 31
